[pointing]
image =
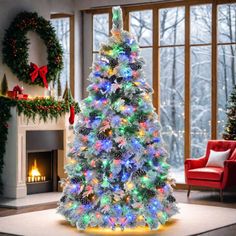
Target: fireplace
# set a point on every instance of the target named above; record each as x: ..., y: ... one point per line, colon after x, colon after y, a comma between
x: 41, y: 172
x: 42, y: 160
x: 29, y: 140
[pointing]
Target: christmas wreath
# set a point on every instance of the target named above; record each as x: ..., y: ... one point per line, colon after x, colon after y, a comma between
x: 15, y: 49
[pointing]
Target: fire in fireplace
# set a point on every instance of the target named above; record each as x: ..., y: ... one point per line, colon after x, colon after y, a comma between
x: 41, y: 172
x: 34, y: 174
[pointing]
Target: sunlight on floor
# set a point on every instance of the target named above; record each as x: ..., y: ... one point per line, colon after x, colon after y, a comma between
x: 134, y: 231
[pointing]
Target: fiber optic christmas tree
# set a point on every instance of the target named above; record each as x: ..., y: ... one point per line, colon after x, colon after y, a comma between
x: 230, y: 127
x: 117, y: 170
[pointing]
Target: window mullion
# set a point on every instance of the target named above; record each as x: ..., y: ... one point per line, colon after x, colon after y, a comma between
x: 156, y: 61
x: 214, y: 73
x: 187, y: 121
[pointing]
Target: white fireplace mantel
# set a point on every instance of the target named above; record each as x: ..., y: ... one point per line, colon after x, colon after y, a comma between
x: 14, y: 170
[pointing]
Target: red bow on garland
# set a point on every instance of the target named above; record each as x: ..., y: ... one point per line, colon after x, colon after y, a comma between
x: 39, y: 71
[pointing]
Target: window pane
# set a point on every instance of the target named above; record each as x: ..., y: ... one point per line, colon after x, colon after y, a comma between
x: 62, y: 27
x: 172, y: 107
x: 146, y: 53
x: 171, y: 26
x: 100, y: 30
x: 95, y: 57
x: 200, y: 99
x: 141, y: 26
x: 227, y: 23
x: 200, y: 24
x: 226, y: 81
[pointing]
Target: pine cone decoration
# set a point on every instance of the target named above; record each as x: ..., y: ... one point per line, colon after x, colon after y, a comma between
x: 106, y: 47
x: 135, y: 66
x: 139, y: 173
x: 84, y: 200
x: 112, y: 78
x: 93, y: 115
x: 63, y: 199
x: 160, y: 184
x: 170, y: 198
x: 131, y: 168
x: 91, y: 197
x: 113, y: 62
x: 127, y: 50
x: 75, y: 180
x: 150, y: 193
x: 142, y: 118
x: 119, y: 80
x: 84, y: 131
x: 118, y: 155
x: 101, y: 136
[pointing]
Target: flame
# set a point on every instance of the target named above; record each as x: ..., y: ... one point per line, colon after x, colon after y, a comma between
x: 34, y: 170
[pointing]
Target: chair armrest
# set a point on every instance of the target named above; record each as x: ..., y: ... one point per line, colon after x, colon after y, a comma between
x: 230, y: 163
x: 229, y: 178
x: 195, y: 163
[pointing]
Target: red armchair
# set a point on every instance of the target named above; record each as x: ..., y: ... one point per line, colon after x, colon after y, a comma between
x: 198, y: 174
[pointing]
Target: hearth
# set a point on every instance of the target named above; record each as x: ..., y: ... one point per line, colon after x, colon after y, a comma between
x: 41, y: 172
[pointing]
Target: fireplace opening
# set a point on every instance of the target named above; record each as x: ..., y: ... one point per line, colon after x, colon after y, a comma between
x: 41, y: 172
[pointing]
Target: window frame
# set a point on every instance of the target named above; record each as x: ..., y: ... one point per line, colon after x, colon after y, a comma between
x: 72, y: 47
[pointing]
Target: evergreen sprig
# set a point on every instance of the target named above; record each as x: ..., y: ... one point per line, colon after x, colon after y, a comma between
x: 44, y: 108
x: 5, y: 115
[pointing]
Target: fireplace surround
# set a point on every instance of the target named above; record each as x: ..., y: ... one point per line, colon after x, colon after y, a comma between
x: 26, y: 137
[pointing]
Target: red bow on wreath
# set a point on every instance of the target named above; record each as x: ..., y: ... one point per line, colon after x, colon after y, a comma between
x: 39, y: 71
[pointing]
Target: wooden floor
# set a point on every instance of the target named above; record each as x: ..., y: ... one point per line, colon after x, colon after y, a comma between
x: 210, y: 198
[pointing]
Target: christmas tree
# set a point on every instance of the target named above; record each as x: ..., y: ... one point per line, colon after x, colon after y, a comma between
x: 4, y: 85
x: 117, y: 170
x: 59, y: 87
x: 67, y: 96
x: 230, y: 127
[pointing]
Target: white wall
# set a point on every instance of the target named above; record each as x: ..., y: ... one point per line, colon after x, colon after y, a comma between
x: 37, y: 50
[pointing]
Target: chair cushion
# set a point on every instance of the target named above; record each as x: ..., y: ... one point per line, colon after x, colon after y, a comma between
x: 220, y: 145
x: 216, y: 159
x: 207, y: 173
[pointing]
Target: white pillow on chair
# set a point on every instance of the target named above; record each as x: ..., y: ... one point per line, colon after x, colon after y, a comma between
x: 216, y: 158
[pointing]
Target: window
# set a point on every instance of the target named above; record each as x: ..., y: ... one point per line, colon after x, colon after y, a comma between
x: 189, y: 49
x: 226, y: 46
x: 200, y: 62
x: 63, y: 25
x: 100, y: 31
x: 171, y: 51
x: 140, y: 25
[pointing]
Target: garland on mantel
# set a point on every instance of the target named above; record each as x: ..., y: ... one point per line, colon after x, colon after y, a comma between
x: 5, y: 115
x: 44, y: 108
